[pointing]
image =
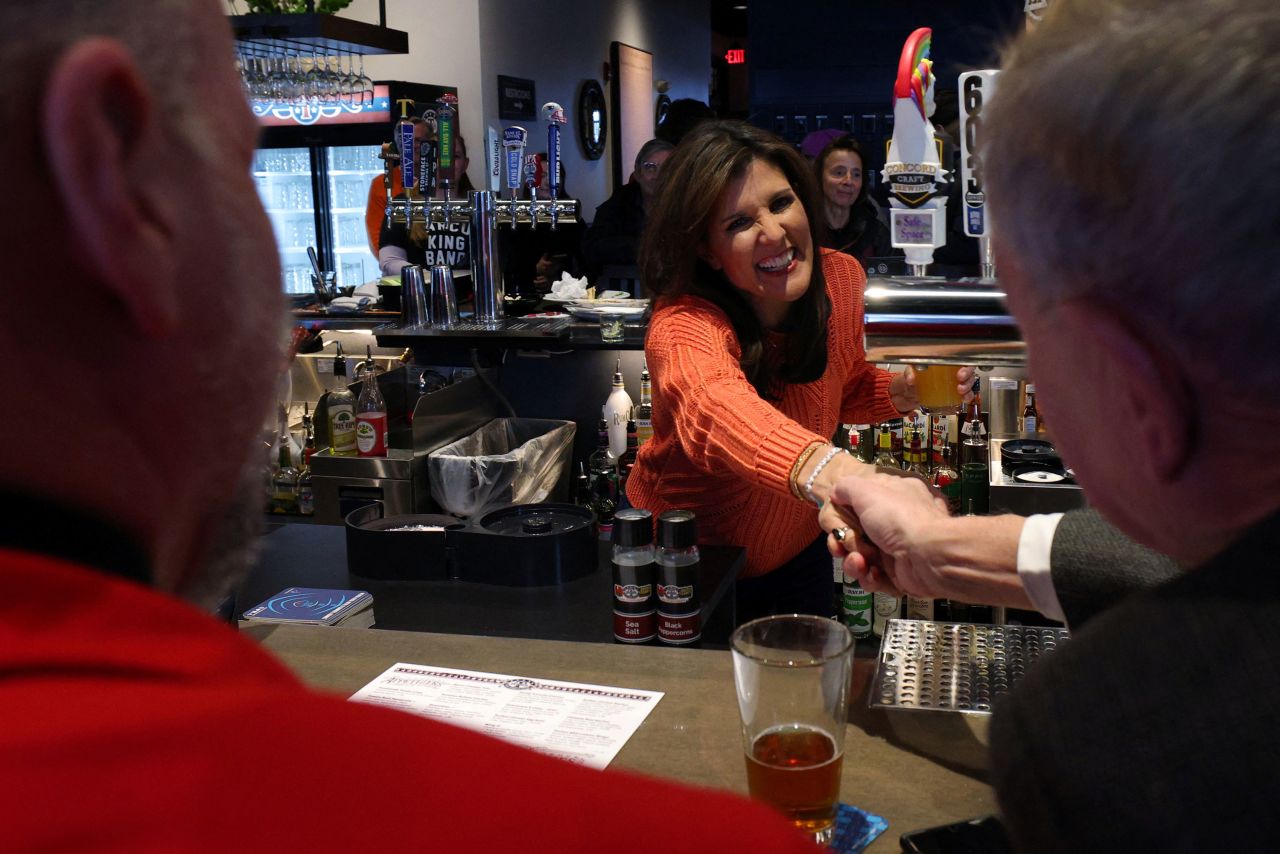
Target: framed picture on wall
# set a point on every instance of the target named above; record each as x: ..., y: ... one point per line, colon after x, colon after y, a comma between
x: 631, y: 112
x: 517, y: 99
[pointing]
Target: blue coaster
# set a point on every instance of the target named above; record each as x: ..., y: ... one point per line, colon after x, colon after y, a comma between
x: 855, y: 829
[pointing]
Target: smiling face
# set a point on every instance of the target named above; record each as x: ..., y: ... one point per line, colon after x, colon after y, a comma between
x: 758, y: 236
x: 842, y: 178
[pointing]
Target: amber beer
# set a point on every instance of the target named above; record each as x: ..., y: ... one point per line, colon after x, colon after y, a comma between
x: 796, y: 769
x: 936, y: 387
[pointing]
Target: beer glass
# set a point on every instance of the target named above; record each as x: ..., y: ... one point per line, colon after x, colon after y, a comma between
x: 792, y: 675
x: 936, y: 388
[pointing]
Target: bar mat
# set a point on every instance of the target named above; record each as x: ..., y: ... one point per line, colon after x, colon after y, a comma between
x: 855, y: 829
x: 955, y: 667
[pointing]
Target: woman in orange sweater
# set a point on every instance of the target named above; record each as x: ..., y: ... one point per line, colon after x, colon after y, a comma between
x: 755, y: 347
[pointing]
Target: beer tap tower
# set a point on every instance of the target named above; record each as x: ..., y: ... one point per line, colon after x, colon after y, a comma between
x: 483, y: 209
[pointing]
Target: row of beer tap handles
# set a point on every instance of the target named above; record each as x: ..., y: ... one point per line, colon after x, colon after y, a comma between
x: 427, y: 166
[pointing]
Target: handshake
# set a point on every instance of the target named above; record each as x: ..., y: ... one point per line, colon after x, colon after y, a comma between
x: 895, y: 535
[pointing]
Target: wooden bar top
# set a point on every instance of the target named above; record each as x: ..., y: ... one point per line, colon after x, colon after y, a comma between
x: 916, y: 769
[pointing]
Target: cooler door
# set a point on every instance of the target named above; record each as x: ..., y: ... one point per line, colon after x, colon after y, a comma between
x: 283, y: 176
x: 351, y: 169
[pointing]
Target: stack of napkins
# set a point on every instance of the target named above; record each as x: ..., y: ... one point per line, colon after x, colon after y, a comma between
x: 311, y: 606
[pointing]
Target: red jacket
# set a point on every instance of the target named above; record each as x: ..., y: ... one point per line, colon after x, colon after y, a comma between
x: 131, y: 722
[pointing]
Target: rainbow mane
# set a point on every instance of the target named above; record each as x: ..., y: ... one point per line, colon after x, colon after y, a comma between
x: 915, y: 68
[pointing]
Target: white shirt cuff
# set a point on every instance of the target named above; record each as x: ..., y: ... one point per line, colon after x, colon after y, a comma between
x: 1033, y: 563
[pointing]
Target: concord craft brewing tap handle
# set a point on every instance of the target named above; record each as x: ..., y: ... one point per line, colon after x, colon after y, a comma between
x: 917, y: 215
x: 554, y: 115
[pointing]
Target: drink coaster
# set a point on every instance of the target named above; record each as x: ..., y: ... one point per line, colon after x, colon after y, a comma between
x: 855, y: 829
x: 955, y: 667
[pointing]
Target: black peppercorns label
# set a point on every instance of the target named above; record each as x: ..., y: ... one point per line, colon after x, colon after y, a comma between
x: 680, y: 629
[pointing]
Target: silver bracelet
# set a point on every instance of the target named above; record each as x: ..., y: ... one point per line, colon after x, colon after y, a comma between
x: 813, y: 475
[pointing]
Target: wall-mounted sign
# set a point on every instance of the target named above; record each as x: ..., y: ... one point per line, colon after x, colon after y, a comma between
x: 517, y: 99
x: 736, y: 56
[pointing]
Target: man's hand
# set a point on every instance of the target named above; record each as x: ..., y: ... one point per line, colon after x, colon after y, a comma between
x: 889, y: 521
x: 900, y: 539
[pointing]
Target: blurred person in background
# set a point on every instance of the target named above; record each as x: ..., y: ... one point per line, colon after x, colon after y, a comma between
x: 614, y: 235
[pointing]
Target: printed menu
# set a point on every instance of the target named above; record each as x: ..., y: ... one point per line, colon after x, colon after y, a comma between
x: 584, y: 724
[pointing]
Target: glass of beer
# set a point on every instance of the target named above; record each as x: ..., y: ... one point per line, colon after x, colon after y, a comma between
x: 936, y: 386
x: 792, y: 674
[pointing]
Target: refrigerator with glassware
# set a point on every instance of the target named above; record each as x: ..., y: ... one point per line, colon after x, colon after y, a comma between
x: 313, y: 169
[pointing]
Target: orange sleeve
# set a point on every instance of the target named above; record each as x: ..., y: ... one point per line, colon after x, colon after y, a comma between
x: 721, y: 423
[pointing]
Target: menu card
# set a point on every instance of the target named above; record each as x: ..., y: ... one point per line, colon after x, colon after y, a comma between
x: 584, y: 724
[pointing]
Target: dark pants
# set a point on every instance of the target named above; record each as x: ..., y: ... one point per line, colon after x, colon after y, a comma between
x: 802, y: 585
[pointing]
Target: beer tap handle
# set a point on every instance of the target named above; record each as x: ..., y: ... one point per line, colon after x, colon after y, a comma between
x: 446, y: 110
x: 554, y: 115
x: 405, y: 142
x: 513, y: 142
x: 531, y: 181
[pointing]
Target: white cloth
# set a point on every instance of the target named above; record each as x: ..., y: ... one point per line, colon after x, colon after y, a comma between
x: 1034, y: 546
x: 568, y: 287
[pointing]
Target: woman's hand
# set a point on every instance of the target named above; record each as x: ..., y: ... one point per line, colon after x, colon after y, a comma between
x: 902, y: 388
x: 902, y: 391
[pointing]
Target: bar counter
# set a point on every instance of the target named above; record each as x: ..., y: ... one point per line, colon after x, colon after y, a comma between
x: 916, y: 769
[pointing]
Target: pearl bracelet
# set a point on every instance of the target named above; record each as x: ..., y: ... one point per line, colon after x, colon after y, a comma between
x: 813, y: 475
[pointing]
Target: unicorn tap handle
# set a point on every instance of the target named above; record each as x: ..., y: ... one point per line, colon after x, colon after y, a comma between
x: 914, y: 167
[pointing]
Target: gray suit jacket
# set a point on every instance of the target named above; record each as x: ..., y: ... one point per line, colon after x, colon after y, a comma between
x: 1094, y: 565
x: 1157, y: 728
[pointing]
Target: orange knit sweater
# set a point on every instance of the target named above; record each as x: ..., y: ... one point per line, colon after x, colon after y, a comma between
x: 721, y: 451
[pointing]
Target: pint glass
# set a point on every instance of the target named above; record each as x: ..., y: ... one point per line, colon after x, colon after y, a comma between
x: 792, y: 676
x: 936, y: 387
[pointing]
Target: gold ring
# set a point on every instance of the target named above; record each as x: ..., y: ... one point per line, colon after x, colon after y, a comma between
x: 840, y: 534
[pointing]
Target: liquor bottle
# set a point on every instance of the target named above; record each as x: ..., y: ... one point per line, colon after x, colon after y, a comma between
x: 857, y: 607
x: 309, y: 437
x: 1030, y: 415
x: 886, y: 607
x: 342, y: 411
x: 644, y: 411
x: 628, y: 458
x: 896, y: 434
x: 885, y: 457
x: 284, y: 483
x: 947, y: 480
x: 603, y: 505
x: 917, y: 465
x: 866, y: 447
x: 602, y: 462
x: 371, y: 414
x: 306, y: 492
x: 582, y: 487
x: 617, y: 409
x: 973, y: 449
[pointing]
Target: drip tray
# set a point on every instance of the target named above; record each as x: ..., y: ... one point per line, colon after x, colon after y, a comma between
x: 955, y: 667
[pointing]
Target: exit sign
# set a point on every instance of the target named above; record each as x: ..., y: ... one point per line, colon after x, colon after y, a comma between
x: 735, y: 56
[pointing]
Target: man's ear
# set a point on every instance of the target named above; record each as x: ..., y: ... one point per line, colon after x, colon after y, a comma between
x: 101, y: 132
x: 1152, y: 398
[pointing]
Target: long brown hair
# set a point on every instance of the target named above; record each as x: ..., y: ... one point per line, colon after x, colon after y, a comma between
x: 711, y: 157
